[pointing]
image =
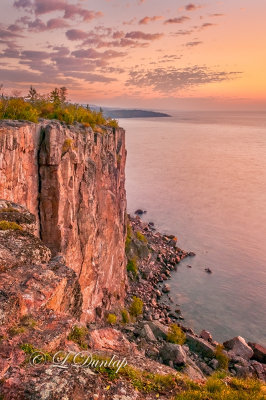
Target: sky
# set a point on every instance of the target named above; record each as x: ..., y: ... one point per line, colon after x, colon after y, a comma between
x: 165, y: 55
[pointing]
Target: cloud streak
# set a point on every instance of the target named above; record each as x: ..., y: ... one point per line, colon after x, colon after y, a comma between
x: 192, y: 7
x: 177, y: 20
x: 172, y: 80
x: 147, y: 20
x: 143, y: 36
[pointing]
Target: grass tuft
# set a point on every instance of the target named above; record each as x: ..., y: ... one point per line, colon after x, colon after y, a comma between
x: 175, y: 335
x: 79, y: 336
x: 136, y: 307
x: 6, y: 225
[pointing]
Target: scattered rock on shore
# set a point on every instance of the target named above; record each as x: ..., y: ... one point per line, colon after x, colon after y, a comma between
x: 140, y: 212
x: 173, y: 352
x: 259, y: 352
x: 239, y: 347
x: 166, y: 288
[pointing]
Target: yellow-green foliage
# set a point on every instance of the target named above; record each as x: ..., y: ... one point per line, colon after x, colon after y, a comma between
x: 112, y: 123
x: 148, y: 382
x: 132, y: 266
x: 136, y: 307
x: 125, y: 316
x: 51, y: 106
x: 141, y: 237
x: 129, y: 236
x: 111, y: 319
x: 17, y: 108
x: 79, y: 335
x: 67, y: 145
x: 28, y: 348
x: 175, y: 335
x: 224, y: 389
x: 221, y: 357
x: 6, y: 225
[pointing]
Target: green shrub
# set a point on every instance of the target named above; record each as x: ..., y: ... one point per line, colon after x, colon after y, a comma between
x: 17, y: 108
x: 175, y: 335
x: 113, y: 123
x: 215, y: 385
x: 28, y: 348
x: 111, y: 319
x: 6, y: 225
x: 136, y: 307
x: 51, y: 106
x: 79, y: 335
x: 149, y: 382
x: 132, y: 266
x: 129, y: 237
x: 141, y: 237
x: 220, y: 389
x: 221, y: 357
x: 125, y: 316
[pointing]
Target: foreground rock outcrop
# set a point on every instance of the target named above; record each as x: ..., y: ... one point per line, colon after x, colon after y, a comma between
x: 72, y: 180
x: 40, y: 309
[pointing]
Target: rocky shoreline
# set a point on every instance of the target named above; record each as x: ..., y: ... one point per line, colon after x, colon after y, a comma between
x: 40, y: 309
x: 158, y: 257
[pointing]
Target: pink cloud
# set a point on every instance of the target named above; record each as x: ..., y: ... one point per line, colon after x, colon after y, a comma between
x: 46, y: 6
x: 147, y: 20
x: 76, y: 34
x: 143, y: 35
x: 192, y: 7
x: 178, y: 20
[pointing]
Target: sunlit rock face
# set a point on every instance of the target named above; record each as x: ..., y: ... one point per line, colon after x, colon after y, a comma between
x: 72, y: 179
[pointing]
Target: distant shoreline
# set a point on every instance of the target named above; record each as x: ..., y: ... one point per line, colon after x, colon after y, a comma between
x: 134, y: 114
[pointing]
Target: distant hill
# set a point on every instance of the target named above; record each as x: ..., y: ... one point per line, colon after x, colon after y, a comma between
x: 121, y: 113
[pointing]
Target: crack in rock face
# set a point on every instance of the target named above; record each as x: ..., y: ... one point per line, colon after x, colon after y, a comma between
x: 73, y: 181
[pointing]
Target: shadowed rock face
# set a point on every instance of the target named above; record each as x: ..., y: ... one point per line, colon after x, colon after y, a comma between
x: 72, y: 180
x: 30, y: 280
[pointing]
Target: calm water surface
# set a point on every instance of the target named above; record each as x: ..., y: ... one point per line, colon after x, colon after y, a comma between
x: 203, y: 178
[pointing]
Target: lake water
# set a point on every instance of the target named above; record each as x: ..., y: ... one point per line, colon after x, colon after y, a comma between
x: 203, y: 178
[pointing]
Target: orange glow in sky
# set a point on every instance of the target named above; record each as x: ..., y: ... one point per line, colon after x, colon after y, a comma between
x: 135, y: 53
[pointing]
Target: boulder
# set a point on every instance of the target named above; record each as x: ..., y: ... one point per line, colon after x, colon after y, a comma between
x: 259, y: 370
x: 199, y: 345
x: 173, y: 352
x: 147, y: 333
x: 238, y: 360
x: 140, y: 212
x: 239, y: 347
x: 259, y: 352
x: 159, y: 330
x: 206, y: 336
x: 166, y: 288
x: 193, y: 371
x: 109, y: 339
x: 242, y: 372
x: 214, y: 363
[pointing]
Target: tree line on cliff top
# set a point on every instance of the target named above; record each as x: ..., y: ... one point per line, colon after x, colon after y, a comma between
x: 53, y: 105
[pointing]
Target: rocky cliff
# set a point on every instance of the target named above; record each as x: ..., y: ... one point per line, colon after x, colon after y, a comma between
x: 72, y: 180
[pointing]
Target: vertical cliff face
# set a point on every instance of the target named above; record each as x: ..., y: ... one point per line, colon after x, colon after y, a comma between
x: 72, y: 179
x: 19, y: 163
